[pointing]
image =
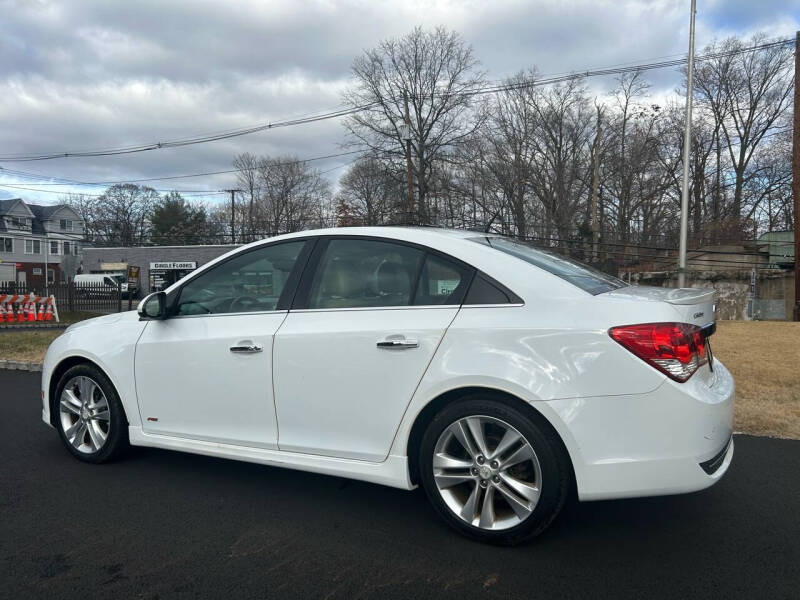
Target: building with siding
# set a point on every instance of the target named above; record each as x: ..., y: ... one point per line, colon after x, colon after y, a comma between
x: 160, y: 266
x: 38, y: 241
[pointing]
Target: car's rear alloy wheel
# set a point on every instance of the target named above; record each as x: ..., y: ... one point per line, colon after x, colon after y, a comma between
x: 84, y: 414
x: 493, y: 472
x: 487, y: 472
x: 91, y: 420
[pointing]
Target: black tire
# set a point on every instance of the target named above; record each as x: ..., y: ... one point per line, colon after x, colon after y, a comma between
x: 556, y: 473
x: 116, y: 441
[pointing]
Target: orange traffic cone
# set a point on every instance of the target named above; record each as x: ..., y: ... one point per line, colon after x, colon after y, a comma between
x: 20, y: 313
x: 48, y: 316
x: 2, y: 313
x: 10, y: 313
x: 40, y: 314
x: 31, y: 312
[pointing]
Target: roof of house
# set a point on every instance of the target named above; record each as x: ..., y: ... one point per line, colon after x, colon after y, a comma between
x: 5, y: 205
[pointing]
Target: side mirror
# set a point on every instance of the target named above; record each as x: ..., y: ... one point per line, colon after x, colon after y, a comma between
x: 153, y: 307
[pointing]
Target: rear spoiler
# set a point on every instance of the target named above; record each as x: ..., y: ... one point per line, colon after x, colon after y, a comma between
x: 690, y: 295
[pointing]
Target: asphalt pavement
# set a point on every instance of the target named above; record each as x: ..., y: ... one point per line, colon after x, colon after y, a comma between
x: 161, y: 524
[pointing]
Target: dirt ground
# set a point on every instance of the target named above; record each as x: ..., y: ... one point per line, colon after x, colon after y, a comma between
x: 764, y: 357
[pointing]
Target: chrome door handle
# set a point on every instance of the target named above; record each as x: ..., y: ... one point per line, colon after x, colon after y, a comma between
x: 401, y: 343
x: 248, y: 349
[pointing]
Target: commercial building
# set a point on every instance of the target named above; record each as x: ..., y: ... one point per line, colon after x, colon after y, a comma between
x: 160, y: 266
x: 37, y: 242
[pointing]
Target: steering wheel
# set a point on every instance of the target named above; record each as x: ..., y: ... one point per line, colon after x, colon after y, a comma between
x: 193, y: 303
x: 244, y: 301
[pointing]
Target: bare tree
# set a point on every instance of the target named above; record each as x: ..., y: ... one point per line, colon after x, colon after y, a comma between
x: 246, y: 166
x: 433, y: 71
x: 747, y: 92
x: 119, y: 216
x: 368, y: 194
x: 562, y: 138
x: 292, y: 197
x: 511, y: 128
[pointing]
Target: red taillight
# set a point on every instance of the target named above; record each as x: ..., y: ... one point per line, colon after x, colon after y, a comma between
x: 675, y: 349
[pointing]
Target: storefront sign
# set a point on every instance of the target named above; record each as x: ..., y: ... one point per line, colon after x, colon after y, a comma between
x: 170, y: 266
x: 133, y: 277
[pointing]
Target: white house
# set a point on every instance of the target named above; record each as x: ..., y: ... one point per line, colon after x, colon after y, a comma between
x: 38, y: 241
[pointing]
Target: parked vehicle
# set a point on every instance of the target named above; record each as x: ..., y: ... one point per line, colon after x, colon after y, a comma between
x: 497, y: 376
x: 98, y: 284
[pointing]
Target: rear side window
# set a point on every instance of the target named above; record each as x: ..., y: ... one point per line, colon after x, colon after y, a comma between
x: 356, y: 273
x: 578, y: 274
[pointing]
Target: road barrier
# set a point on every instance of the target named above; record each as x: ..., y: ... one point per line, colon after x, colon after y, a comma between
x: 21, y: 309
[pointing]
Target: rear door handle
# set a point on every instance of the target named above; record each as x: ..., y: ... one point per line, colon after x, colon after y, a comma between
x: 247, y: 349
x: 399, y: 343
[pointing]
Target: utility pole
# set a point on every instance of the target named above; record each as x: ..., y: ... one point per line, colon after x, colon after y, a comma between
x: 796, y: 176
x: 407, y: 137
x: 596, y: 185
x: 687, y: 140
x: 233, y: 213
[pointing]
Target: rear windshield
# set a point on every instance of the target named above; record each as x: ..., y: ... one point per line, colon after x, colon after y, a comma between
x: 578, y: 274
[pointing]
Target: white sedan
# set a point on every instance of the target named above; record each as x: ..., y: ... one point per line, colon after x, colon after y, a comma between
x: 499, y: 377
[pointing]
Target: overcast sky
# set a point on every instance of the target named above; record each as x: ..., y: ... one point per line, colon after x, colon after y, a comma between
x: 99, y: 74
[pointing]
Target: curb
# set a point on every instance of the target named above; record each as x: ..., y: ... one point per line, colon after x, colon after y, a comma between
x: 20, y: 365
x: 29, y: 327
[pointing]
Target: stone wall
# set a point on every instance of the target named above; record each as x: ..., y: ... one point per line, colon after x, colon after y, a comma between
x: 774, y: 291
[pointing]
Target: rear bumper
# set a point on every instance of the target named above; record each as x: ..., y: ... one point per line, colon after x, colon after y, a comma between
x: 673, y: 440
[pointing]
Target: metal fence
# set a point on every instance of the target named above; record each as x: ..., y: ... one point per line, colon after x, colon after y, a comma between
x: 90, y: 297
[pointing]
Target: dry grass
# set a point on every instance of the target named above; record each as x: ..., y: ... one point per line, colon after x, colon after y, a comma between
x: 31, y: 345
x: 764, y: 357
x: 26, y: 345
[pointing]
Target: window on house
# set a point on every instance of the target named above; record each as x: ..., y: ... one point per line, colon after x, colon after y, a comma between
x: 19, y: 221
x: 65, y: 224
x: 54, y: 248
x: 75, y: 249
x: 33, y: 247
x: 6, y: 244
x: 51, y: 276
x: 66, y: 248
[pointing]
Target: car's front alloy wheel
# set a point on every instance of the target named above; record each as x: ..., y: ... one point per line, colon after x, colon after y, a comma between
x: 90, y: 419
x: 84, y: 415
x: 493, y: 472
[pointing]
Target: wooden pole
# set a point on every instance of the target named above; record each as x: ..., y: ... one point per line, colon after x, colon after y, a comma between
x: 796, y: 176
x: 596, y: 185
x: 408, y: 164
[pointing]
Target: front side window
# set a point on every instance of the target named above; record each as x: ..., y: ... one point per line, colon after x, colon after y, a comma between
x: 66, y: 249
x: 33, y: 247
x: 250, y: 282
x: 65, y: 224
x: 578, y: 274
x: 6, y: 245
x: 54, y: 248
x: 365, y: 273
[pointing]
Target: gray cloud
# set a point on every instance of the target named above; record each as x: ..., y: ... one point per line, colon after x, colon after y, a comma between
x: 79, y: 75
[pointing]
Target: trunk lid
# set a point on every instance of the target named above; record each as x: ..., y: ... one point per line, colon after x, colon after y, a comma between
x: 695, y: 305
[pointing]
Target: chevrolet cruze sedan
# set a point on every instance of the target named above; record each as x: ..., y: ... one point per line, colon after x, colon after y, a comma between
x: 498, y: 377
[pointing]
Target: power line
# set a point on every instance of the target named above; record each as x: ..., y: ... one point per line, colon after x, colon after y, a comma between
x: 169, y: 177
x: 353, y: 110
